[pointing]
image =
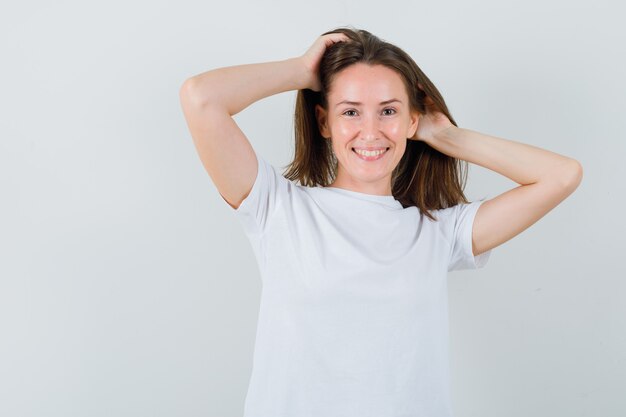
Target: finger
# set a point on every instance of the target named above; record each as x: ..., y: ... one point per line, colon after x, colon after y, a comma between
x: 338, y: 37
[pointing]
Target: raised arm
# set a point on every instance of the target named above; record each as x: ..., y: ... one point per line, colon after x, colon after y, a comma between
x: 210, y: 99
x: 546, y: 179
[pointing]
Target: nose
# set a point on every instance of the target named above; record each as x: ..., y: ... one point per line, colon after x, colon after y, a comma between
x: 371, y: 128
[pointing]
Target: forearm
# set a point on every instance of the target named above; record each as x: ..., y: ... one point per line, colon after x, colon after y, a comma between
x: 235, y: 88
x: 522, y: 163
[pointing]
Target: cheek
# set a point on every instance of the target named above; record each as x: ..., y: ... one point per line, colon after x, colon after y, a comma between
x: 394, y: 129
x: 344, y: 129
x: 400, y: 149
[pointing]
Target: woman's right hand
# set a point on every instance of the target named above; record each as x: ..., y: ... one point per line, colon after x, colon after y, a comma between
x: 311, y: 58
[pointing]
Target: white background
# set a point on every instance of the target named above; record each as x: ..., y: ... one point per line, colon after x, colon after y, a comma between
x: 127, y: 287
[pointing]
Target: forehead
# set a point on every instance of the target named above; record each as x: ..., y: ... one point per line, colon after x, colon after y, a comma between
x: 367, y: 83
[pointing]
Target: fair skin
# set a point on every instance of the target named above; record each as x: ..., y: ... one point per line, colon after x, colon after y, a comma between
x: 545, y: 178
x: 210, y: 100
x: 369, y: 125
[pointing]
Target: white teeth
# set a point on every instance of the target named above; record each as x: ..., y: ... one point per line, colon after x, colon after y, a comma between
x: 369, y: 153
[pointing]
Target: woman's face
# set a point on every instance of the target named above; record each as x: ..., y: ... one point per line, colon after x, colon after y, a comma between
x: 370, y: 122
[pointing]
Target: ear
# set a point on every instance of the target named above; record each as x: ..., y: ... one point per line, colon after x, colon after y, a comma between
x: 415, y: 117
x: 322, y: 121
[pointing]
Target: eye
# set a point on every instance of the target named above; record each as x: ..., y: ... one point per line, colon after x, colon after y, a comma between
x: 389, y: 108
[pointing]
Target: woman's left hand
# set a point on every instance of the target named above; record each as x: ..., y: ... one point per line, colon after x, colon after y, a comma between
x: 431, y: 123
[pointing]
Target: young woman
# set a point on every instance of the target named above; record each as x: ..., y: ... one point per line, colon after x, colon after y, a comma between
x: 354, y: 242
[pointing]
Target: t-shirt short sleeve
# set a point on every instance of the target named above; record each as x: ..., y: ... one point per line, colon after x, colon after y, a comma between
x: 462, y: 222
x: 255, y: 211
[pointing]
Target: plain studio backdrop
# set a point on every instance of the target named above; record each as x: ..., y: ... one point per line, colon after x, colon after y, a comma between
x: 127, y: 287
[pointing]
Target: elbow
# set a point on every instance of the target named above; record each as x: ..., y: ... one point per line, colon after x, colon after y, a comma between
x: 187, y: 87
x: 198, y: 92
x: 577, y: 173
x: 571, y: 175
x: 566, y: 176
x: 188, y: 93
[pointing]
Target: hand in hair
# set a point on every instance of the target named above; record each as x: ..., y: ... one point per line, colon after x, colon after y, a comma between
x: 312, y: 57
x: 432, y: 122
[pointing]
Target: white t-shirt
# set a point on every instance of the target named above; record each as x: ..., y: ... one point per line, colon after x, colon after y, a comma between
x: 353, y: 318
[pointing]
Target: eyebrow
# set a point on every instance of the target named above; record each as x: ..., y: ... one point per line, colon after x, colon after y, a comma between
x: 356, y: 103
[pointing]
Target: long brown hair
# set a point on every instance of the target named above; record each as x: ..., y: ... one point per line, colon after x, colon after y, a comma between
x: 424, y: 177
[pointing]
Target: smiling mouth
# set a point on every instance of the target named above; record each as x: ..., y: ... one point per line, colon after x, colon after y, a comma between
x: 372, y: 155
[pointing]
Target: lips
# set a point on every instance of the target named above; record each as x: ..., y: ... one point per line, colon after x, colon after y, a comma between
x: 371, y: 157
x: 379, y: 148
